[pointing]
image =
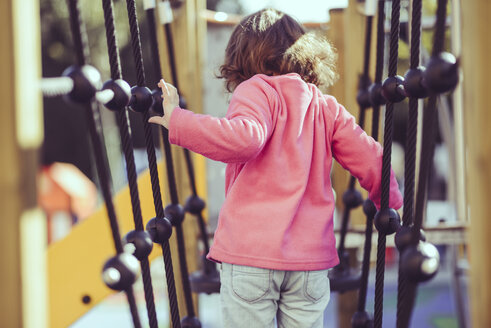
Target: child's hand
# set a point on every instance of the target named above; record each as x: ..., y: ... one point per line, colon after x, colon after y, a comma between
x: 170, y: 101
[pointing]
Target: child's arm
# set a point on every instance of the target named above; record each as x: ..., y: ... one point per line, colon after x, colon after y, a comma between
x: 238, y: 137
x: 361, y: 155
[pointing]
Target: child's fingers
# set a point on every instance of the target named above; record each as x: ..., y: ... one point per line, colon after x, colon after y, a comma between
x: 170, y: 87
x: 163, y: 86
x: 156, y: 120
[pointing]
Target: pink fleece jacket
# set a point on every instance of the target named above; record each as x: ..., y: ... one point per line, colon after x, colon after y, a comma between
x: 278, y: 139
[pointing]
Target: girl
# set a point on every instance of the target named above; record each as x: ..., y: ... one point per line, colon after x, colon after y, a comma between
x: 275, y: 237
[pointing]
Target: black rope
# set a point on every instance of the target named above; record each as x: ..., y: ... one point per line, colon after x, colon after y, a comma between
x: 386, y: 165
x: 170, y: 170
x: 375, y: 122
x: 379, y: 68
x: 171, y: 53
x: 112, y: 43
x: 175, y: 80
x: 347, y: 207
x: 410, y: 162
x: 379, y: 281
x: 439, y: 35
x: 365, y: 267
x: 428, y: 147
x: 412, y: 126
x: 379, y: 65
x: 375, y: 127
x: 79, y: 33
x: 430, y: 115
x: 362, y: 294
x: 406, y: 291
x: 429, y: 130
x: 157, y: 67
x: 126, y: 140
x: 152, y: 161
x: 189, y: 163
x: 80, y: 44
x: 429, y: 120
x: 389, y: 116
x: 368, y: 44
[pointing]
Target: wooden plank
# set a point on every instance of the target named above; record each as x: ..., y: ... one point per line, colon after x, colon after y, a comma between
x: 476, y: 47
x: 23, y: 234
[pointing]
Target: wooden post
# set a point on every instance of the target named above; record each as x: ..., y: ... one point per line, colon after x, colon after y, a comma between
x: 23, y: 227
x: 189, y: 30
x: 476, y: 48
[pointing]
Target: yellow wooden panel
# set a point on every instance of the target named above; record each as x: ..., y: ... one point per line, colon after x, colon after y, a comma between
x: 476, y: 47
x: 22, y: 273
x: 75, y: 263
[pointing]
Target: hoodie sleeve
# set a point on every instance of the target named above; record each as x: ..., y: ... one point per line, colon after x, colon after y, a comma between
x: 236, y: 138
x: 361, y: 155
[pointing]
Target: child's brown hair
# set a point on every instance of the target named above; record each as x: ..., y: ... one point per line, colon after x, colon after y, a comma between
x: 273, y: 43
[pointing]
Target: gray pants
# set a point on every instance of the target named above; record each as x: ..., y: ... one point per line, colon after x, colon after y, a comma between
x: 253, y: 297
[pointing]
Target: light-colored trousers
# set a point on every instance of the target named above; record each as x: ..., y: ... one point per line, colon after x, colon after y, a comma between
x: 254, y: 297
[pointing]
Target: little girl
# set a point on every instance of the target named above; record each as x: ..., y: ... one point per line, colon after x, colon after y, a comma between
x: 275, y: 239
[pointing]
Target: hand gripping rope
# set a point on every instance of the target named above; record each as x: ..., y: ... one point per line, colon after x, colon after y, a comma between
x: 158, y: 226
x: 139, y: 238
x: 206, y: 280
x: 174, y: 211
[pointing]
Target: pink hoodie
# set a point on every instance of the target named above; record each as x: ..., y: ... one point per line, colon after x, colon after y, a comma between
x: 278, y: 138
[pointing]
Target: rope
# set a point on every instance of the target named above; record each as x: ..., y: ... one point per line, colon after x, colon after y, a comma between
x: 412, y: 126
x: 56, y: 86
x: 439, y: 36
x: 429, y: 121
x: 80, y: 38
x: 379, y: 68
x: 79, y: 34
x: 362, y: 294
x: 386, y: 165
x: 175, y: 80
x: 365, y: 267
x: 125, y: 133
x: 406, y: 290
x: 170, y: 170
x: 379, y: 282
x: 351, y: 187
x: 429, y: 134
x: 394, y: 46
x: 376, y: 113
x: 152, y: 161
x: 191, y: 176
x: 157, y: 67
x: 130, y: 296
